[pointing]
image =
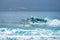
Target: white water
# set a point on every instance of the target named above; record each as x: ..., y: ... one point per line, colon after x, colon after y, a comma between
x: 28, y: 32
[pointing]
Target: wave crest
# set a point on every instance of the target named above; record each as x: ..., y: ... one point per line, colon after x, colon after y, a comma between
x: 41, y: 22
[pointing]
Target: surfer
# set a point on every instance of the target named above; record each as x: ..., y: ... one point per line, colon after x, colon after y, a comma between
x: 33, y: 19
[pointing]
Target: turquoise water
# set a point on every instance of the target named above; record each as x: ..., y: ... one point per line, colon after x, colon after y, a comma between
x: 29, y: 34
x: 12, y: 29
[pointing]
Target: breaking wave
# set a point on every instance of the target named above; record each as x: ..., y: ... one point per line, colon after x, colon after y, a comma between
x: 49, y: 22
x: 24, y: 34
x: 27, y: 30
x: 54, y: 22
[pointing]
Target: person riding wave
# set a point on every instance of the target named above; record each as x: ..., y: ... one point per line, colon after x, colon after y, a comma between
x: 33, y: 19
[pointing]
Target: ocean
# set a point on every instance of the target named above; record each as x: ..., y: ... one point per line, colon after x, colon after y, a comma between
x: 12, y: 28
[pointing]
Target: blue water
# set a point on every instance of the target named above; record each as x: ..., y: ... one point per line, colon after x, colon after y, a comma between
x: 11, y: 28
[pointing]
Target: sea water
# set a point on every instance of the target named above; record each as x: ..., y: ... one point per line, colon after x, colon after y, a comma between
x: 12, y: 29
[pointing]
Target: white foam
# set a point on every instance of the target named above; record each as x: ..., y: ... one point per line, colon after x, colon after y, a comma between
x: 54, y: 22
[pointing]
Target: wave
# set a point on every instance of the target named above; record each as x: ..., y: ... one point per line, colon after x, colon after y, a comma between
x: 41, y: 22
x: 40, y: 32
x: 54, y: 22
x: 33, y: 28
x: 34, y: 23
